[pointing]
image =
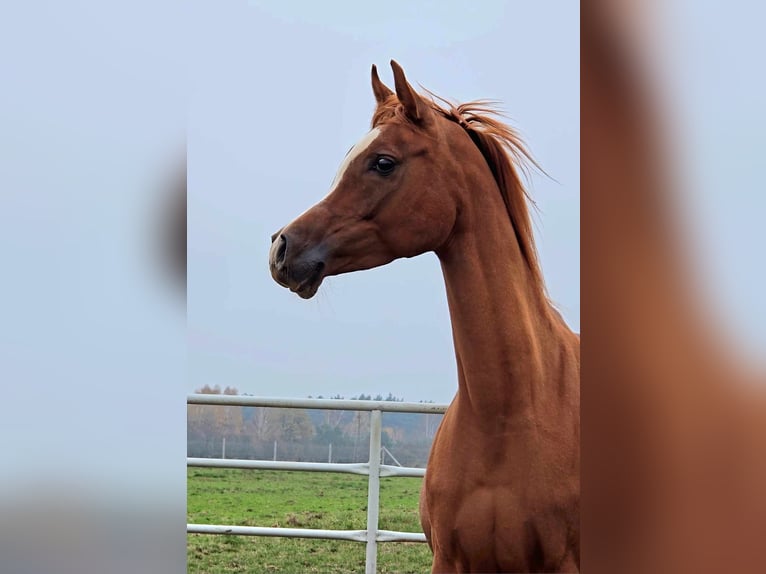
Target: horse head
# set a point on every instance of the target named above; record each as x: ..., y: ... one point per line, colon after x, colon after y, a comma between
x: 396, y: 194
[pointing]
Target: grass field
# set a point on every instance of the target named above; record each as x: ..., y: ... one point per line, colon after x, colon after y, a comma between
x: 298, y: 500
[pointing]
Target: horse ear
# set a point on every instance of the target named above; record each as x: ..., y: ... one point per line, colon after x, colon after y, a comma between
x: 415, y: 107
x: 381, y: 91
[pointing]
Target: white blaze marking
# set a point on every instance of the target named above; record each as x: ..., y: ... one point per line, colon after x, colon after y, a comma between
x: 353, y: 153
x: 358, y: 149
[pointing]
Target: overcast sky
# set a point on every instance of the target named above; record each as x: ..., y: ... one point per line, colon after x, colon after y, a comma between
x: 280, y: 92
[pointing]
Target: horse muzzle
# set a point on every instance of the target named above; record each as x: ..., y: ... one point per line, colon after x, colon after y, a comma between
x: 299, y: 269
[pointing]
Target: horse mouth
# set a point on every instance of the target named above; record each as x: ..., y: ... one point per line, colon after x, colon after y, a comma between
x: 307, y: 288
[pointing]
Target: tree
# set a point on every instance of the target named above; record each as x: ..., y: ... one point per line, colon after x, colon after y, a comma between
x: 358, y: 428
x: 326, y: 434
x: 296, y: 425
x: 332, y: 419
x: 430, y: 424
x: 260, y: 423
x: 200, y: 419
x: 209, y: 421
x: 289, y: 425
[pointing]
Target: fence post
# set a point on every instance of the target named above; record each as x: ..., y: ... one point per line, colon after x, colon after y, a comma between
x: 373, y: 494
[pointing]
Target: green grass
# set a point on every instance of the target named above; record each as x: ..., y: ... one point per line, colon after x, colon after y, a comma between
x: 298, y: 500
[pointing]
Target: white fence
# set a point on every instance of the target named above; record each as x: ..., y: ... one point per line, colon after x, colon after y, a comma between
x: 373, y: 468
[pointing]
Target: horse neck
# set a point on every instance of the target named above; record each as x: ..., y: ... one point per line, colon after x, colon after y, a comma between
x: 512, y: 348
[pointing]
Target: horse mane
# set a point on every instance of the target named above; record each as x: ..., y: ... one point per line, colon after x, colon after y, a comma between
x: 505, y: 154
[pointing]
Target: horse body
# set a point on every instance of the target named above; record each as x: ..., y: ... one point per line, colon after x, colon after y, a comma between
x: 502, y: 489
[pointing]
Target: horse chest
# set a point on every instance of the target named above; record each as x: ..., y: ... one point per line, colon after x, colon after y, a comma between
x: 495, y: 508
x: 478, y: 529
x: 496, y: 529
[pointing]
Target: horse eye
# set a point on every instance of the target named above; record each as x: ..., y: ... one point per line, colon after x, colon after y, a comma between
x: 384, y: 165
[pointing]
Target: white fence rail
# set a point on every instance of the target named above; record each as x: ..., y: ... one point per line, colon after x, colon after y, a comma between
x: 372, y: 468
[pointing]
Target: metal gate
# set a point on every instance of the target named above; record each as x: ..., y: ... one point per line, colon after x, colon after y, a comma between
x: 372, y: 468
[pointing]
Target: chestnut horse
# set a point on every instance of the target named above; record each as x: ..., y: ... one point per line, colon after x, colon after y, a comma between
x: 502, y: 490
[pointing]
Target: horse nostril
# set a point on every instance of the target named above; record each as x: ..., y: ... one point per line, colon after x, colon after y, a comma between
x: 275, y: 236
x: 279, y: 256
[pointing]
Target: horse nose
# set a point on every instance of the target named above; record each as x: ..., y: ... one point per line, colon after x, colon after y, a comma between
x: 279, y: 248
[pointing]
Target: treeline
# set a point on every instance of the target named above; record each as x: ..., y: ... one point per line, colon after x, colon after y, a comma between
x: 303, y: 434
